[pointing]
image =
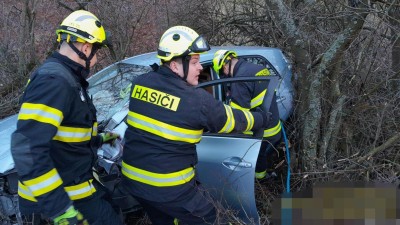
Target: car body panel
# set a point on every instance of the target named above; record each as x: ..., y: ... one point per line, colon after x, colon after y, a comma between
x: 7, y: 126
x: 226, y: 168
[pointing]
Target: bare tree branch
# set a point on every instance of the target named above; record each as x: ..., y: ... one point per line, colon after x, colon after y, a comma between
x: 332, y: 129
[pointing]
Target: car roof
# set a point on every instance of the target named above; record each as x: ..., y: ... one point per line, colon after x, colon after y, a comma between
x: 274, y: 55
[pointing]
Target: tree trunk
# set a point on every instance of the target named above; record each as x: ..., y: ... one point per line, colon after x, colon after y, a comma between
x: 312, y: 125
x: 299, y: 48
x: 27, y: 55
x: 394, y: 15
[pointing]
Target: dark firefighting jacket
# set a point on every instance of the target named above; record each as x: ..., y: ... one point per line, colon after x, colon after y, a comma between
x: 55, y: 143
x: 249, y: 95
x: 166, y: 119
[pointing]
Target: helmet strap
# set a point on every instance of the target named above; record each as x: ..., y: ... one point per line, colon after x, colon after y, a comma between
x: 83, y: 56
x: 185, y: 64
x: 230, y: 66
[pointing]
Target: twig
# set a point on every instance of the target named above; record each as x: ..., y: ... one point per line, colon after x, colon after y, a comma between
x: 380, y: 148
x: 316, y: 61
x: 333, y: 126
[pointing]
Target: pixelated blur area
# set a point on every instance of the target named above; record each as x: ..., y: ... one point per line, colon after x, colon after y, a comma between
x: 339, y: 204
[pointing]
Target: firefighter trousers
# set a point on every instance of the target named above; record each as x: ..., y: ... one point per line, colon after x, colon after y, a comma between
x: 194, y: 208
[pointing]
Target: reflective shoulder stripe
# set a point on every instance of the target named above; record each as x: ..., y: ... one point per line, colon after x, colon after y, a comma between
x: 162, y: 129
x: 41, y: 113
x: 44, y: 183
x: 157, y: 179
x: 273, y: 131
x: 24, y: 192
x: 263, y: 72
x: 73, y: 134
x: 230, y: 121
x: 258, y: 100
x: 80, y: 191
x: 236, y: 106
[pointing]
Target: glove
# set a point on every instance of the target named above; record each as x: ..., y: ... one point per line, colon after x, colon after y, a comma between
x: 70, y: 217
x: 266, y: 116
x: 108, y: 137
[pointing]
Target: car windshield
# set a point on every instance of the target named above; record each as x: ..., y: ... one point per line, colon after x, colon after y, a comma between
x: 110, y: 88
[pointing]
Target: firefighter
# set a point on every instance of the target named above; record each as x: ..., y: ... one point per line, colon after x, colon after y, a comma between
x: 55, y: 144
x: 167, y: 116
x: 248, y: 96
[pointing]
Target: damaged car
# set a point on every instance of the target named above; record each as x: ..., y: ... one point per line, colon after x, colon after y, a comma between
x: 226, y: 161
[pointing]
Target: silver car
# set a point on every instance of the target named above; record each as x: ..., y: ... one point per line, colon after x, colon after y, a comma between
x: 226, y: 161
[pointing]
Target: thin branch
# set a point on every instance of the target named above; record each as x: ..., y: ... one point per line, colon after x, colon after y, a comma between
x: 333, y: 127
x: 382, y: 35
x: 65, y: 6
x: 389, y: 143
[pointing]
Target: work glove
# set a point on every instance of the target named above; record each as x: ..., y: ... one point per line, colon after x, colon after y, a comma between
x: 109, y: 137
x: 70, y: 217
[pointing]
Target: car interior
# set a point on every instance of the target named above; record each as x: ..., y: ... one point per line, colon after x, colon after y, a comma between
x: 221, y: 91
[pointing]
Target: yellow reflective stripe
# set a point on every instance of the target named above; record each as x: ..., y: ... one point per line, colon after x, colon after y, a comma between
x: 247, y: 114
x: 157, y: 179
x: 26, y: 85
x: 44, y: 183
x: 24, y: 192
x: 261, y: 175
x: 236, y: 106
x: 258, y: 100
x: 250, y: 119
x: 269, y: 132
x: 75, y: 192
x: 94, y: 131
x: 73, y: 134
x: 230, y: 121
x: 41, y: 113
x: 263, y: 72
x: 80, y: 191
x: 273, y: 131
x: 162, y: 129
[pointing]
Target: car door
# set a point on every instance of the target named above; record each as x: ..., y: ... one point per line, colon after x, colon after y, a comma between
x: 227, y: 161
x: 226, y: 168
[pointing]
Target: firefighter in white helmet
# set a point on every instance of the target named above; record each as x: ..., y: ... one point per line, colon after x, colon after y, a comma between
x: 167, y: 116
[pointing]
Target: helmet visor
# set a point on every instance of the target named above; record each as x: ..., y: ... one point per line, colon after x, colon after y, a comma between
x: 199, y: 45
x: 107, y: 41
